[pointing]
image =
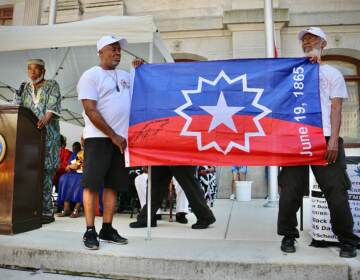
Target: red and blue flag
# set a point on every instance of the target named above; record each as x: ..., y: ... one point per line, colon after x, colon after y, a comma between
x: 232, y: 112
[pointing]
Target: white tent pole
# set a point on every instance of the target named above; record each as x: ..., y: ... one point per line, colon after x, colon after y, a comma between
x: 61, y: 63
x: 52, y: 12
x: 134, y: 55
x: 270, y: 53
x: 151, y: 52
x: 148, y: 237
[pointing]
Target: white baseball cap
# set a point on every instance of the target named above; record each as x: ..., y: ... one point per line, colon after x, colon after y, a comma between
x: 108, y: 40
x: 312, y: 30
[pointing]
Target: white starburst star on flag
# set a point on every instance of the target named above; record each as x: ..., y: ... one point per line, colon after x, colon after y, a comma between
x: 222, y: 114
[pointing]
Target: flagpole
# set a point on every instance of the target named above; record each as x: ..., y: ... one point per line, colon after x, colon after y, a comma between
x: 148, y: 236
x: 270, y: 53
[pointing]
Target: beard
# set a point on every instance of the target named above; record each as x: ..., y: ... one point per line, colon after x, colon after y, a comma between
x: 313, y: 51
x: 115, y: 63
x: 38, y: 80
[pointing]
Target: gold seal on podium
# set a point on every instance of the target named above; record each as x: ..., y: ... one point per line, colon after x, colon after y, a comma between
x: 2, y: 148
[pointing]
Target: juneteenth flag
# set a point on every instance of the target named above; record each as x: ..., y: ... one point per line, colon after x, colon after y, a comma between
x: 231, y: 112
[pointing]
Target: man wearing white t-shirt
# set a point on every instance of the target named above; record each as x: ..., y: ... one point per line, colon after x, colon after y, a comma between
x: 332, y: 178
x: 105, y: 96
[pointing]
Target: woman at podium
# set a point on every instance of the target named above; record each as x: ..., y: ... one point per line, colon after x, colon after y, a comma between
x: 43, y: 98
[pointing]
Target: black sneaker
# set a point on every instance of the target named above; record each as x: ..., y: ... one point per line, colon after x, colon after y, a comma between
x: 90, y: 239
x: 112, y: 236
x: 347, y: 250
x: 47, y: 219
x: 181, y: 218
x: 142, y: 224
x: 203, y: 223
x: 288, y: 244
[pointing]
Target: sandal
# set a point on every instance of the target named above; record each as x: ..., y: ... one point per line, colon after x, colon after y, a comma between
x: 63, y: 213
x: 75, y: 213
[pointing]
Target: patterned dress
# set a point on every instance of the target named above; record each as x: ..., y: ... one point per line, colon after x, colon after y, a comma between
x: 46, y: 98
x: 208, y: 185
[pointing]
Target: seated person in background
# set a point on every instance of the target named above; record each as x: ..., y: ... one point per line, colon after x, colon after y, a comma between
x: 76, y: 147
x: 141, y: 182
x: 182, y: 204
x: 207, y: 178
x: 65, y: 154
x: 239, y: 174
x: 70, y: 189
x: 160, y: 180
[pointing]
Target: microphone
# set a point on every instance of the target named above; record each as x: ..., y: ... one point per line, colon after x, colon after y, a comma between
x: 20, y: 91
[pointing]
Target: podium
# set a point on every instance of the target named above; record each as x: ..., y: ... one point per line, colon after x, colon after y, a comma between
x: 22, y: 146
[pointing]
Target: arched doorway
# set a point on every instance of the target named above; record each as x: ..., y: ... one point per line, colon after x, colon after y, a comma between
x: 187, y: 57
x: 350, y: 67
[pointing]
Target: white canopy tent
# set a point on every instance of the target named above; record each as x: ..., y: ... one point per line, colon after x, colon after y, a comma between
x: 69, y: 49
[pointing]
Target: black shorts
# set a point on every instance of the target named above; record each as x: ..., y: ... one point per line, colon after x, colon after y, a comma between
x: 104, y: 165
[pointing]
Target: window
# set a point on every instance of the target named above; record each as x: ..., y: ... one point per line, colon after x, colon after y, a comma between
x: 350, y: 68
x: 6, y: 15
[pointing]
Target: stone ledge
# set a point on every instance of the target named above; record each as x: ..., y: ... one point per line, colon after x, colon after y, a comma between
x: 176, y: 259
x: 325, y: 18
x: 254, y: 16
x: 191, y: 23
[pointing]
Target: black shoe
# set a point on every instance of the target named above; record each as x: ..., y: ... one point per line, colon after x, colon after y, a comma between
x: 203, y: 223
x: 142, y: 224
x: 347, y: 250
x: 319, y: 243
x: 288, y: 244
x: 90, y: 239
x: 112, y: 236
x: 47, y: 219
x: 181, y: 218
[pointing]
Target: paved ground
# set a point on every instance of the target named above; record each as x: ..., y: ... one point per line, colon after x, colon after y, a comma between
x: 242, y: 244
x: 11, y: 274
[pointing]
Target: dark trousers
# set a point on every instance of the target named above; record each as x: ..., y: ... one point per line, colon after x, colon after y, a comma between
x: 333, y: 182
x: 160, y: 179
